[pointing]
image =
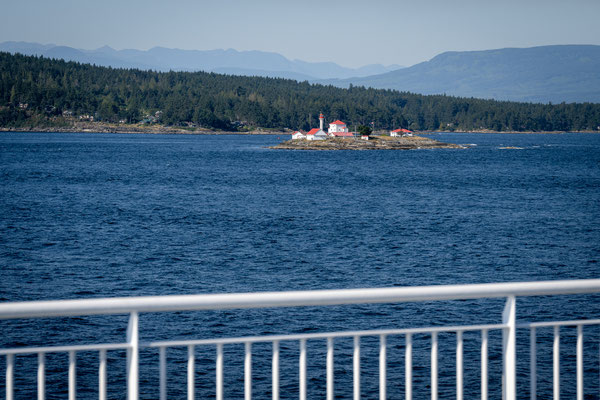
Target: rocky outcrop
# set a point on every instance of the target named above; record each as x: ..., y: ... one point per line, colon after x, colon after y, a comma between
x: 374, y: 143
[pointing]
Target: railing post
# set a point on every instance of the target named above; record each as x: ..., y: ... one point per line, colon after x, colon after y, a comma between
x: 434, y: 366
x: 408, y: 367
x: 132, y: 357
x: 72, y: 376
x: 579, y: 362
x: 275, y: 371
x: 382, y: 368
x: 10, y: 362
x: 532, y: 364
x: 459, y: 365
x: 556, y: 363
x: 484, y: 364
x: 41, y: 376
x: 102, y: 375
x: 356, y: 368
x: 162, y: 372
x: 191, y: 372
x: 509, y: 337
x: 219, y: 372
x: 302, y: 372
x: 248, y: 371
x: 329, y: 369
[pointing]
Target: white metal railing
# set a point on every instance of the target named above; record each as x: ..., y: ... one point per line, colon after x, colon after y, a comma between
x: 135, y: 305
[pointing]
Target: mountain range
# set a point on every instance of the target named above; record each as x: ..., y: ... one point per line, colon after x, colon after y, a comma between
x: 250, y: 63
x: 559, y: 73
x: 562, y: 73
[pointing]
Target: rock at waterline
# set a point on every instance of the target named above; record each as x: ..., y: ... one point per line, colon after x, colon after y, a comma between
x: 374, y: 143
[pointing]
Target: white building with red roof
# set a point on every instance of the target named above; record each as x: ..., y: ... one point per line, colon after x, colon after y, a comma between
x: 337, y: 127
x: 316, y: 134
x: 401, y: 132
x: 298, y: 135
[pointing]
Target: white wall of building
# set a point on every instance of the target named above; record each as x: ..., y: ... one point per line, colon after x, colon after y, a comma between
x: 298, y: 135
x: 320, y: 135
x: 337, y: 128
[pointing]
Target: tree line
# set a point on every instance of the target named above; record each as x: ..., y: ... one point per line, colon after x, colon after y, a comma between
x: 37, y: 91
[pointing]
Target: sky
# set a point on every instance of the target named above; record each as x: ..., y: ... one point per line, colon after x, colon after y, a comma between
x: 351, y: 33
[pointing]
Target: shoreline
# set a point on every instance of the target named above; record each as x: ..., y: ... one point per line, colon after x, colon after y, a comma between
x: 94, y: 127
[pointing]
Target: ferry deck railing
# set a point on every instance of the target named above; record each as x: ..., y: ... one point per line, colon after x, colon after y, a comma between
x: 133, y: 306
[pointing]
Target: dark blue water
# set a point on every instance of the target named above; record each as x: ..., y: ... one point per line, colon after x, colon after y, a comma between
x: 102, y: 215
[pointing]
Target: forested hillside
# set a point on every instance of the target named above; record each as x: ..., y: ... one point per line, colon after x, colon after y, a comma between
x: 38, y: 91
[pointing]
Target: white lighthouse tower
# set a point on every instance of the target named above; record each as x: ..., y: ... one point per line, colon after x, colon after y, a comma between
x: 317, y: 134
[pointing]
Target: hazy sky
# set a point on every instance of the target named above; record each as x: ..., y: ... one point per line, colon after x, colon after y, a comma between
x: 350, y: 32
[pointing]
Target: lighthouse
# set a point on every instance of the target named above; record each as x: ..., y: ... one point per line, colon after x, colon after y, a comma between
x: 321, y: 119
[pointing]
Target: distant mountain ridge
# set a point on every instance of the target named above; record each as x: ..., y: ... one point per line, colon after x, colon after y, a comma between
x: 252, y: 63
x: 560, y: 73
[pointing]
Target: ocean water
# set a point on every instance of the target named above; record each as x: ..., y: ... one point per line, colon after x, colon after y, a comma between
x: 104, y: 215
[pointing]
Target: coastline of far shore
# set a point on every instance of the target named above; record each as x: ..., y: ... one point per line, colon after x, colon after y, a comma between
x: 98, y: 127
x: 102, y: 127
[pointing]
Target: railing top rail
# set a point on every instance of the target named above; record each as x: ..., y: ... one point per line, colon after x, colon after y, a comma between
x: 546, y: 324
x: 61, y: 349
x: 123, y: 305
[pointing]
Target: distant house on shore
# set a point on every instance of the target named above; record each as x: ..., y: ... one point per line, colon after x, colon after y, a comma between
x: 298, y: 135
x: 337, y: 127
x: 316, y: 134
x: 401, y: 132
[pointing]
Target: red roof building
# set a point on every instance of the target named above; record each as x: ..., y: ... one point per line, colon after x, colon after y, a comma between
x: 337, y: 127
x: 298, y: 135
x: 401, y: 132
x: 316, y: 134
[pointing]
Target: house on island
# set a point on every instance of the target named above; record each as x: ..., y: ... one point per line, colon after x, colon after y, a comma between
x: 401, y: 132
x: 316, y: 134
x: 338, y: 129
x: 298, y: 135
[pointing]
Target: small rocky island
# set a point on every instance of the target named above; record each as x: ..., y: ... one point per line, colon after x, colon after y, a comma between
x: 373, y: 143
